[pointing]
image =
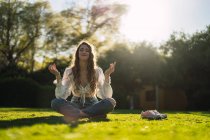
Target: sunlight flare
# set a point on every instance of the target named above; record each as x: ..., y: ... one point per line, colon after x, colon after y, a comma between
x: 146, y: 20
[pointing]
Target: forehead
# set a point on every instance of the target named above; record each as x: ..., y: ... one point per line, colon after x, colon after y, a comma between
x: 84, y: 46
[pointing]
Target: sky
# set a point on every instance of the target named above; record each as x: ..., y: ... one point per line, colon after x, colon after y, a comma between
x: 155, y: 20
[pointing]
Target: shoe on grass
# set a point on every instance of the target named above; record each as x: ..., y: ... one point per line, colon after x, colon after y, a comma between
x: 163, y: 116
x: 150, y: 115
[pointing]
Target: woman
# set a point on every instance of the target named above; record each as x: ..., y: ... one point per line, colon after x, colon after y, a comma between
x: 85, y: 81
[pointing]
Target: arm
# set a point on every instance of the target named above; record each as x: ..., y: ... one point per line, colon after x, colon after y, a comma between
x: 104, y: 89
x: 62, y: 84
x: 104, y: 82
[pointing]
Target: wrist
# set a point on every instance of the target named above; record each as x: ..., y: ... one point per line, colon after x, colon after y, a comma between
x: 107, y: 79
x: 58, y: 74
x: 107, y: 75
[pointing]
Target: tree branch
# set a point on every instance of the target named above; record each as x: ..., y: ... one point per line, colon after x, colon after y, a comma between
x: 24, y: 48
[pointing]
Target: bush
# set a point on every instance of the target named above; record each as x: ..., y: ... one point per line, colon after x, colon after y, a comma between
x: 45, y: 96
x: 13, y: 72
x: 200, y: 99
x: 43, y: 77
x: 24, y: 92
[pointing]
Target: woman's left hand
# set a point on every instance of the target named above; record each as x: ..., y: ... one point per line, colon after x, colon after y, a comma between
x: 110, y: 70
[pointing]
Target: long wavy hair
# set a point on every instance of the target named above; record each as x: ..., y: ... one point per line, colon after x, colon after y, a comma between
x: 90, y: 67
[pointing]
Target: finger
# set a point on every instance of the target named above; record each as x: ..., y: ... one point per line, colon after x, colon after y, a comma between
x: 50, y: 67
x: 54, y: 67
x: 115, y: 63
x: 111, y: 65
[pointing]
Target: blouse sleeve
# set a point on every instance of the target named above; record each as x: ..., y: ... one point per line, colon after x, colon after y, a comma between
x: 62, y: 89
x: 104, y: 89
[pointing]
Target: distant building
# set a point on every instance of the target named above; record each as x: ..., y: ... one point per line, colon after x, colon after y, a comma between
x: 154, y: 97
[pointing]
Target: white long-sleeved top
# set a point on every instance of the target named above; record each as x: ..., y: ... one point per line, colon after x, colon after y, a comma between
x: 66, y: 86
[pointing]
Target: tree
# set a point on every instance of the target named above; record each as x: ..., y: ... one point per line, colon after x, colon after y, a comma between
x: 135, y: 67
x: 146, y: 62
x: 31, y: 29
x: 90, y: 21
x: 20, y: 27
x: 187, y: 66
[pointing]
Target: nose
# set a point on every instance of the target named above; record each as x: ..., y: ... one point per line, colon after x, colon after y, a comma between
x: 82, y: 51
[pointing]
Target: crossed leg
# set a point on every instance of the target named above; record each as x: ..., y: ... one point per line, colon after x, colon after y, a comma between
x: 72, y: 112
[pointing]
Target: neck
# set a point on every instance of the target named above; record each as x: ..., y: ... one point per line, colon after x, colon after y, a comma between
x: 83, y: 65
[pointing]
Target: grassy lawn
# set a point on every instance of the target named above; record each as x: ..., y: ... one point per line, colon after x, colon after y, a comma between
x: 44, y: 124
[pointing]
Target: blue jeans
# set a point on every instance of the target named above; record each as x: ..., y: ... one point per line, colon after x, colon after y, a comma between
x: 92, y: 106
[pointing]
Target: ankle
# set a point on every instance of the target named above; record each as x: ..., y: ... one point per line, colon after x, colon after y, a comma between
x: 83, y: 114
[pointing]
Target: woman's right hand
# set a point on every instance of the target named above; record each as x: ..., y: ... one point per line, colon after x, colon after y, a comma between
x: 52, y: 68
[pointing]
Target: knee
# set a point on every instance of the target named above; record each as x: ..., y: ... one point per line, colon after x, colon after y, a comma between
x: 112, y: 101
x: 56, y: 103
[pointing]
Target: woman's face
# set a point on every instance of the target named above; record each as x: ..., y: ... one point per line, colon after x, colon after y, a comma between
x: 84, y: 52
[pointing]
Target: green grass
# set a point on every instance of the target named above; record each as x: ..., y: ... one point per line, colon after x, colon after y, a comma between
x: 44, y: 124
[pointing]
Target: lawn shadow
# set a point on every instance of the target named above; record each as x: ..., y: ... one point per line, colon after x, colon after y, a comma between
x: 126, y: 111
x: 200, y: 113
x: 84, y: 121
x: 45, y: 120
x: 9, y: 109
x: 31, y: 121
x: 206, y: 114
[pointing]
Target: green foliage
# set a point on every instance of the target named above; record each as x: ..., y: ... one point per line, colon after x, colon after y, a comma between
x: 31, y: 29
x: 120, y: 78
x: 20, y: 26
x: 147, y: 63
x: 135, y: 67
x: 200, y: 99
x: 24, y: 92
x: 44, y: 124
x: 12, y: 72
x: 188, y: 66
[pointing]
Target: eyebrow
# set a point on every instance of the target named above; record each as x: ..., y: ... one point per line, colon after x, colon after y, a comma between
x: 86, y: 48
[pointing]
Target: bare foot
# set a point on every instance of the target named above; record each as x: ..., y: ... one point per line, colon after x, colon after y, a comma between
x: 70, y: 119
x: 83, y: 115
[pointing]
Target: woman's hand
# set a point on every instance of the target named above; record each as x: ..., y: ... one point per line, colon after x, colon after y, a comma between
x: 52, y: 68
x: 110, y: 70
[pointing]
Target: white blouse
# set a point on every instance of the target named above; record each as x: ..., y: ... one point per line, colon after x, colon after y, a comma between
x: 66, y: 86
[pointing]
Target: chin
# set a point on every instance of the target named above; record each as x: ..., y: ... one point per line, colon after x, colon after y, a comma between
x: 84, y: 59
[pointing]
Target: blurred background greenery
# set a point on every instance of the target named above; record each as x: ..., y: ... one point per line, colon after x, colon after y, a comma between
x: 33, y: 35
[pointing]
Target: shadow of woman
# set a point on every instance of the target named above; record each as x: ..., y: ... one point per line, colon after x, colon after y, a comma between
x: 45, y: 120
x: 31, y: 121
